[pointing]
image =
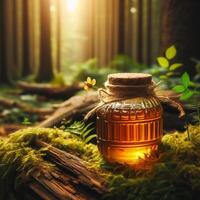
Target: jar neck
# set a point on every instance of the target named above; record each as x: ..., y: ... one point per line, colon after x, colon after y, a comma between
x: 130, y: 91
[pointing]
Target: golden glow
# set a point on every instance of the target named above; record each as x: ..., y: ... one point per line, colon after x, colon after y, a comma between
x: 128, y: 155
x: 138, y: 153
x: 52, y: 8
x: 72, y: 5
x: 129, y: 135
x: 133, y: 10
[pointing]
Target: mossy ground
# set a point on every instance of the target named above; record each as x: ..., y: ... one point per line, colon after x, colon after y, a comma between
x: 176, y: 174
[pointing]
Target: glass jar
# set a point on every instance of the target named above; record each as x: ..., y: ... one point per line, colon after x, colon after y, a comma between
x: 130, y: 126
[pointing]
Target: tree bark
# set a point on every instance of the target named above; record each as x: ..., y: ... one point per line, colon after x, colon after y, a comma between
x: 4, y: 76
x: 71, y: 178
x: 59, y: 10
x: 180, y: 27
x: 121, y: 27
x: 26, y: 42
x: 46, y: 71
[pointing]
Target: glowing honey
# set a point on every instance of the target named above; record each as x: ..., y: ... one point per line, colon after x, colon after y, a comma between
x: 127, y: 130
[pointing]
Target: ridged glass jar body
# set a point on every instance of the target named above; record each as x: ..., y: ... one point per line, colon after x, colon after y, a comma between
x: 130, y: 129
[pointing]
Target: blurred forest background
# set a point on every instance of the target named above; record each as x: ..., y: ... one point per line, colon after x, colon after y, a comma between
x: 48, y: 48
x: 48, y: 37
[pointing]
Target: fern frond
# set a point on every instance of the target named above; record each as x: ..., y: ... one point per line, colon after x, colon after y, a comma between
x: 82, y: 130
x: 89, y: 138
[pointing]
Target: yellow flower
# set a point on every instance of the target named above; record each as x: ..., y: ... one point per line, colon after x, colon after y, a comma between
x: 89, y: 83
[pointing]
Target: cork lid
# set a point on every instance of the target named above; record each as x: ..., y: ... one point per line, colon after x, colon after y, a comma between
x: 129, y: 79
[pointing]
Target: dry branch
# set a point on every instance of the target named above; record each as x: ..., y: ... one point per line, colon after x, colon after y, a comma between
x: 49, y: 90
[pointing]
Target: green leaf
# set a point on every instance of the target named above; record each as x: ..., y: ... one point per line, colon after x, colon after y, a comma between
x: 170, y: 52
x: 170, y: 74
x: 175, y: 66
x: 185, y: 79
x: 26, y: 121
x: 163, y: 62
x: 86, y: 133
x: 164, y: 77
x: 186, y: 95
x: 89, y: 138
x: 179, y: 88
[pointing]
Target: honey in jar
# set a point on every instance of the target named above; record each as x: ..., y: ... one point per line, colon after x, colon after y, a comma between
x: 129, y: 122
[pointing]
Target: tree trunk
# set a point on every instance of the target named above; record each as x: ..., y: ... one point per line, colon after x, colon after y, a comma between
x: 180, y: 27
x: 59, y: 9
x: 46, y: 71
x: 4, y: 76
x: 121, y: 27
x: 26, y: 42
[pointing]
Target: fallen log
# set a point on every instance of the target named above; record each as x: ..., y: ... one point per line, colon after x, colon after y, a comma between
x: 9, y: 103
x: 81, y: 104
x: 49, y: 90
x: 76, y: 105
x: 70, y: 179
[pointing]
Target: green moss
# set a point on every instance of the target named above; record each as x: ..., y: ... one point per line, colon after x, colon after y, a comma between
x: 175, y: 176
x: 58, y: 138
x: 17, y: 157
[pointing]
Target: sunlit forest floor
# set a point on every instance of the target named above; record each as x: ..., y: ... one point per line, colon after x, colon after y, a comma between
x: 41, y: 122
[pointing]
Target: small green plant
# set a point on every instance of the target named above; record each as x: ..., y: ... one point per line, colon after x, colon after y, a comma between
x: 80, y: 129
x: 165, y: 62
x: 169, y: 69
x: 183, y: 88
x: 17, y: 116
x: 26, y: 121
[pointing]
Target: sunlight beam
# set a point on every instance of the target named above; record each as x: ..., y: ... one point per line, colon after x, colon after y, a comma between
x: 72, y: 5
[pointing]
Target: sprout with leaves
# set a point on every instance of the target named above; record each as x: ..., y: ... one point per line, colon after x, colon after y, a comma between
x: 26, y: 121
x: 165, y: 62
x: 168, y: 67
x: 186, y: 88
x: 183, y: 88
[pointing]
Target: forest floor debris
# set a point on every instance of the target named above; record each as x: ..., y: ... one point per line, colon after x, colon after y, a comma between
x: 175, y: 176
